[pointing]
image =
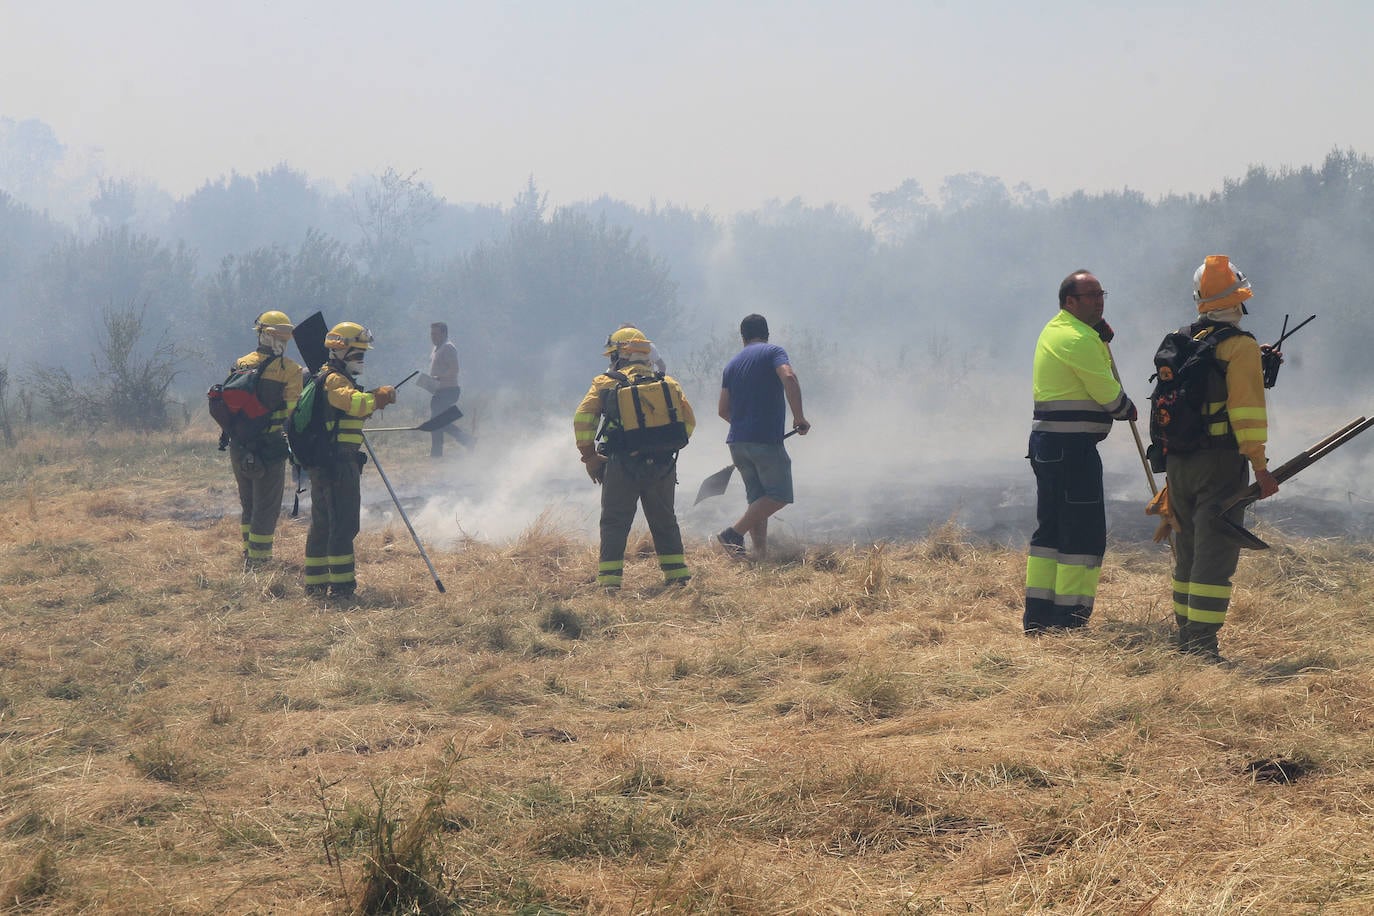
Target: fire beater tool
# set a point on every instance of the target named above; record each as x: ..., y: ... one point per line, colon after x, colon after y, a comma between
x: 715, y: 484
x: 1302, y: 460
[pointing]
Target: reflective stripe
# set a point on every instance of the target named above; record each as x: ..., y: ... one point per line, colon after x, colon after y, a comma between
x: 611, y: 565
x: 1052, y: 406
x: 1058, y: 600
x: 1209, y: 591
x: 1067, y: 580
x: 1040, y: 574
x: 316, y: 571
x: 259, y: 546
x: 1202, y: 602
x: 1071, y: 416
x: 1075, y: 584
x: 1068, y: 559
x: 1251, y: 435
x: 1249, y: 413
x: 1076, y: 426
x: 1180, y: 598
x: 584, y: 427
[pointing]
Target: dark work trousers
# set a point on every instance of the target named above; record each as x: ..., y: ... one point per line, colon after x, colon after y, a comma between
x: 628, y: 483
x: 261, y: 484
x: 440, y: 401
x: 1070, y: 538
x: 1205, y: 557
x: 335, y: 508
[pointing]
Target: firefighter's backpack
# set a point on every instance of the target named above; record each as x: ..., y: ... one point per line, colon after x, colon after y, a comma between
x: 235, y: 406
x: 644, y: 416
x: 1184, y: 363
x: 312, y: 441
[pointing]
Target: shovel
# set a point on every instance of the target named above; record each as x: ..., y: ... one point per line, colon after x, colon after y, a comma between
x: 438, y: 421
x: 1248, y: 539
x: 715, y: 484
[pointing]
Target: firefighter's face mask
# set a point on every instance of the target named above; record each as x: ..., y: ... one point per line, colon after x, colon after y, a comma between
x: 274, y: 340
x: 354, y: 361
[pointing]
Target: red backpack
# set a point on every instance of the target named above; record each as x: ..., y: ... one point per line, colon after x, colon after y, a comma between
x: 234, y: 405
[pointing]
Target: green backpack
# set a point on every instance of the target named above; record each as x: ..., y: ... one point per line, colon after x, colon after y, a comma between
x: 312, y: 442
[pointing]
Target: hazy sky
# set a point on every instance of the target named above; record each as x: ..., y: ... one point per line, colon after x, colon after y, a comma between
x: 703, y: 103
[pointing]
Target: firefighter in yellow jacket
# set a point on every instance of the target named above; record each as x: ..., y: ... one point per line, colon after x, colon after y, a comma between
x: 260, y: 464
x: 628, y: 429
x: 336, y: 485
x: 1077, y: 397
x: 1237, y: 428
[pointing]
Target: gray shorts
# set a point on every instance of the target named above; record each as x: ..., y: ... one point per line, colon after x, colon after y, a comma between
x: 765, y: 468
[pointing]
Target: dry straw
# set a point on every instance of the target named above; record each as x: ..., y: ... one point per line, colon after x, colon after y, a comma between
x: 855, y: 729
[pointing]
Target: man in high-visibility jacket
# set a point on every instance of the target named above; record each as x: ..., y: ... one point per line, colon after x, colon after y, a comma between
x: 1237, y: 425
x: 1077, y: 397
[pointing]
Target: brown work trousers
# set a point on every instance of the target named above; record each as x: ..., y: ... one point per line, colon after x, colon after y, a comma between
x: 1205, y: 557
x: 335, y: 517
x: 630, y: 482
x: 261, y: 485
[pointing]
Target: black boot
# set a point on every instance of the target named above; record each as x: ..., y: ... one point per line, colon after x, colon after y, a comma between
x: 1200, y: 639
x: 1182, y: 639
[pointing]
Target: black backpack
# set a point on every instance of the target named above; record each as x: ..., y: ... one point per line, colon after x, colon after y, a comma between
x: 1185, y: 363
x: 312, y: 442
x: 235, y: 406
x: 643, y: 416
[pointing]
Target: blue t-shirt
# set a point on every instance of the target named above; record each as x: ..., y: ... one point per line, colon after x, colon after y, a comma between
x: 758, y: 407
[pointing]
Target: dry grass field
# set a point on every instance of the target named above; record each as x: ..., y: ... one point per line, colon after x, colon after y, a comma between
x: 853, y: 729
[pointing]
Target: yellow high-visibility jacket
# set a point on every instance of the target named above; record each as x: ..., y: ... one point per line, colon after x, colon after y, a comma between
x: 352, y: 406
x: 1075, y: 390
x: 278, y: 387
x: 593, y: 405
x: 1242, y: 394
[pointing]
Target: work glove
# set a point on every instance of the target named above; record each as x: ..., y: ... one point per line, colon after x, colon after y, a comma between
x: 1160, y: 506
x: 1104, y: 331
x: 384, y: 395
x: 596, y: 468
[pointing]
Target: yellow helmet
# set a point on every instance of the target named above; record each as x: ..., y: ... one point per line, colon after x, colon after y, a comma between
x: 348, y: 335
x: 273, y: 320
x: 626, y: 342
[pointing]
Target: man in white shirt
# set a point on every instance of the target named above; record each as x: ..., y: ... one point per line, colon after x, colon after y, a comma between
x: 442, y: 384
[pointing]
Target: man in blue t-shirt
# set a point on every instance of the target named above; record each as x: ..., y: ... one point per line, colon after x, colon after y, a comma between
x: 753, y: 388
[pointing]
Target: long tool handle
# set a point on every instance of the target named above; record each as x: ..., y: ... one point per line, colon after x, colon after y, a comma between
x: 1139, y: 443
x: 405, y: 518
x: 1135, y: 431
x: 1320, y: 450
x: 438, y: 421
x: 1303, y: 460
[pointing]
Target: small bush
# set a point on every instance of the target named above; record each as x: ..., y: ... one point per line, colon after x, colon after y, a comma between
x: 403, y: 871
x: 164, y: 761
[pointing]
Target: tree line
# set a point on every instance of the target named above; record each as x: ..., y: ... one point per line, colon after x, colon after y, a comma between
x: 941, y: 289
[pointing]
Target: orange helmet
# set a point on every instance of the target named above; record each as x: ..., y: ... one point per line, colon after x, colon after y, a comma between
x: 1219, y: 284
